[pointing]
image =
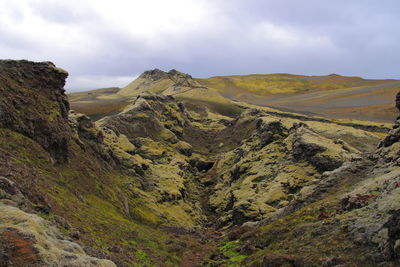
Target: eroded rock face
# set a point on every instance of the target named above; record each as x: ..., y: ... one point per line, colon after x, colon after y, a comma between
x: 33, y: 102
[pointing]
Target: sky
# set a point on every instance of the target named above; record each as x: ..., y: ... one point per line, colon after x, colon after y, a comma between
x: 104, y: 43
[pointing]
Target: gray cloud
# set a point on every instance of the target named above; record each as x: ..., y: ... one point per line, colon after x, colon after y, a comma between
x: 109, y: 41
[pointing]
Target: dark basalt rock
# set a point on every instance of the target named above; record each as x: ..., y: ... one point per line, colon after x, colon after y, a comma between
x: 33, y: 103
x: 155, y: 74
x: 393, y: 135
x: 271, y: 132
x: 238, y: 218
x: 201, y: 166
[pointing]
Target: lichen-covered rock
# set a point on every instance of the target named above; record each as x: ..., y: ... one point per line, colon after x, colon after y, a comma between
x: 184, y: 148
x: 269, y: 170
x: 148, y: 138
x: 323, y: 153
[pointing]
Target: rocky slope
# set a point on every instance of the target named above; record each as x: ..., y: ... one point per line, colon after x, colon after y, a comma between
x: 166, y: 182
x: 349, y: 214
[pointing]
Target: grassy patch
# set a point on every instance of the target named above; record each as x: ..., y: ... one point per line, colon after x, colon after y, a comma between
x: 229, y: 249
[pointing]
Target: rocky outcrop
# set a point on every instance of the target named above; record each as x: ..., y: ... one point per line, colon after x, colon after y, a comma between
x: 321, y: 152
x: 155, y: 74
x: 33, y: 102
x: 269, y: 169
x: 160, y: 82
x: 392, y: 137
x: 180, y: 79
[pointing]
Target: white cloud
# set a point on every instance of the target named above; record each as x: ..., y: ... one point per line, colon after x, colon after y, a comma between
x: 78, y: 33
x: 46, y: 38
x: 153, y: 19
x: 93, y: 38
x: 288, y: 36
x: 151, y: 22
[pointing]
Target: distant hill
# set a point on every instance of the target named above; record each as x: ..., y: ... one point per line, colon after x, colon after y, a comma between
x: 98, y: 103
x: 93, y: 94
x: 102, y: 102
x: 332, y: 96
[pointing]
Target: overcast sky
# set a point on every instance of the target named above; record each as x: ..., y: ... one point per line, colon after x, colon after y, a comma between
x: 104, y: 43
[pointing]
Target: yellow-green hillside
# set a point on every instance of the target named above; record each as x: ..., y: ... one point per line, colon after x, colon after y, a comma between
x: 282, y: 83
x: 332, y: 96
x: 103, y: 102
